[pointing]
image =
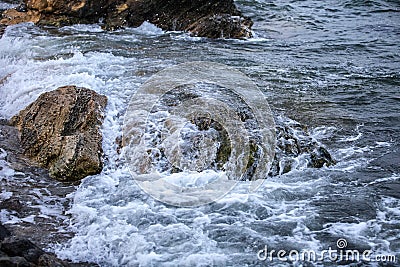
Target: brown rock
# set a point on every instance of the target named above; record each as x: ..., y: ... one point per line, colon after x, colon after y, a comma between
x: 221, y: 26
x: 39, y: 5
x: 60, y: 131
x: 211, y: 18
x: 12, y: 16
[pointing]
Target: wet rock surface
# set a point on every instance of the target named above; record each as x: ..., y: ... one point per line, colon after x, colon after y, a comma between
x: 214, y: 19
x: 2, y: 29
x: 60, y: 131
x: 4, y: 232
x: 19, y: 251
x: 295, y: 147
x: 32, y: 206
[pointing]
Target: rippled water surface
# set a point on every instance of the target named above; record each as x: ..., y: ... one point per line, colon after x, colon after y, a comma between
x: 331, y: 65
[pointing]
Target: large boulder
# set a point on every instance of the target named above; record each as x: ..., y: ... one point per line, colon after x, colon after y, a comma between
x: 211, y: 18
x: 61, y: 132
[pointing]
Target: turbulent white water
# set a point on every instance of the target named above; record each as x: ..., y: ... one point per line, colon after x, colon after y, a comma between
x: 116, y: 223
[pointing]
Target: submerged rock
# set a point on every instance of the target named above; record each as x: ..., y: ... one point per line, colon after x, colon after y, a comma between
x: 61, y: 132
x: 296, y: 148
x: 176, y: 142
x: 214, y: 19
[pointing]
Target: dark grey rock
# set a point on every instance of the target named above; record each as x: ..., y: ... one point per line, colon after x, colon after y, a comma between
x: 14, y: 262
x: 4, y: 232
x: 20, y: 247
x: 11, y: 204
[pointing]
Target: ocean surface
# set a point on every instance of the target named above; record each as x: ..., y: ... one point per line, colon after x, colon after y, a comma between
x: 331, y: 65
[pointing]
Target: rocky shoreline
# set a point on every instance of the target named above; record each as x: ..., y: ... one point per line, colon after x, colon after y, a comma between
x: 36, y: 205
x: 212, y: 19
x: 17, y: 250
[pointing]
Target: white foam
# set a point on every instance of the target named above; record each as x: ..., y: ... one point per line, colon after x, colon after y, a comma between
x: 392, y: 178
x: 351, y: 138
x: 149, y: 29
x: 383, y: 144
x: 4, y: 6
x: 8, y: 217
x: 194, y: 179
x: 29, y: 219
x: 6, y: 172
x: 5, y: 195
x: 83, y: 28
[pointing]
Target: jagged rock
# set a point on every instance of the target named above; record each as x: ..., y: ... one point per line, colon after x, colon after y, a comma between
x: 14, y: 262
x: 16, y: 251
x: 19, y: 247
x: 60, y: 131
x: 295, y: 144
x: 223, y: 25
x: 214, y: 19
x: 50, y: 260
x: 11, y: 204
x: 2, y: 30
x: 3, y: 232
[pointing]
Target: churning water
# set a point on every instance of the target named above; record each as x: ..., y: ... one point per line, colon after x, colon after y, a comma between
x: 331, y: 65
